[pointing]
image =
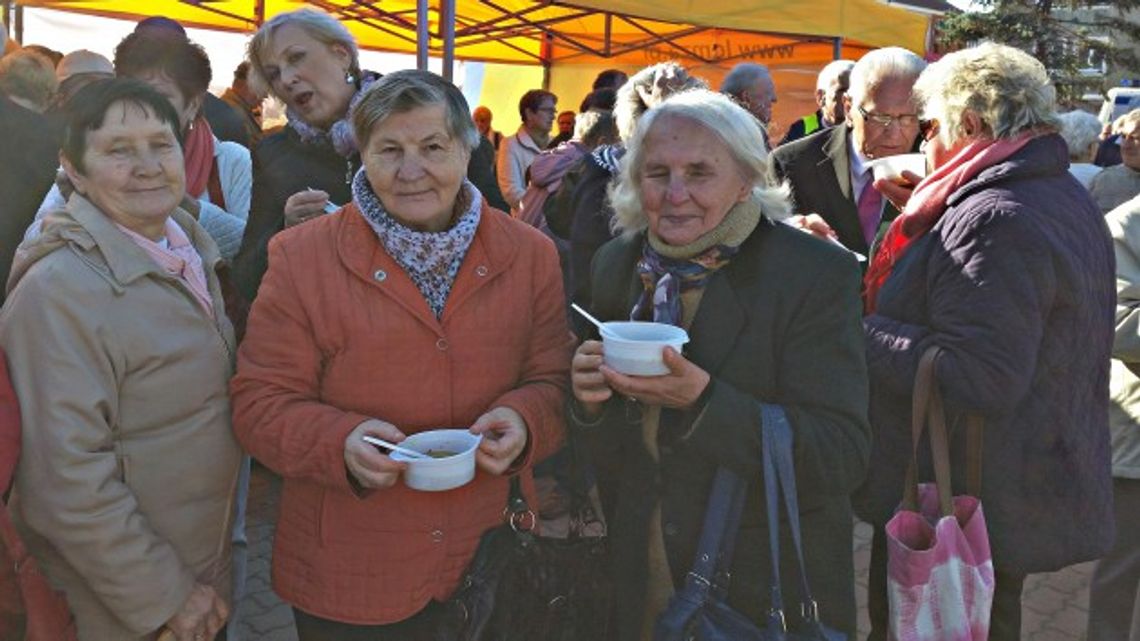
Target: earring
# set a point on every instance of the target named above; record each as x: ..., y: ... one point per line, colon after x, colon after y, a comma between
x: 349, y: 77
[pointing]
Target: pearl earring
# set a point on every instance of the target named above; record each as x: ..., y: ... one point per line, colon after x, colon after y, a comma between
x: 349, y: 77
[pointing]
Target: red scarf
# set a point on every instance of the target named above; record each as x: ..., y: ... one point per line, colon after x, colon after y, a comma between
x: 928, y: 203
x: 198, y: 152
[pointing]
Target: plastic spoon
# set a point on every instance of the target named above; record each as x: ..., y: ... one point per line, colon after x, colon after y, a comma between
x: 395, y: 448
x: 597, y: 323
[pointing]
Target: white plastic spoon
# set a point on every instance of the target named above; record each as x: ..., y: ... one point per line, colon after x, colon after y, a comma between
x: 395, y: 448
x: 597, y: 323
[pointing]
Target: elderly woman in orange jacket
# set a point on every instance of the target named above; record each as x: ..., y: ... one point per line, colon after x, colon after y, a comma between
x: 414, y: 307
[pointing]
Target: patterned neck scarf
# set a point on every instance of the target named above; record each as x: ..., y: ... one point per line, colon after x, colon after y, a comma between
x: 666, y: 270
x: 431, y: 259
x: 340, y: 134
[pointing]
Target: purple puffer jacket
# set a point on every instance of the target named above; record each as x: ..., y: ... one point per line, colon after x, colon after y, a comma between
x: 1016, y: 282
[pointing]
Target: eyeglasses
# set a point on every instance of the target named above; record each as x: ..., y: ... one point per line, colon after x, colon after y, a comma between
x: 884, y: 121
x: 928, y: 129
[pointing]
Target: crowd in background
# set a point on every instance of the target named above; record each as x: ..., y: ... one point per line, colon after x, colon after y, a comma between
x: 187, y: 291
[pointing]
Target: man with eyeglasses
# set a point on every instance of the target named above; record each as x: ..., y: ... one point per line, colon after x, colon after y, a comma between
x: 536, y: 108
x: 828, y: 171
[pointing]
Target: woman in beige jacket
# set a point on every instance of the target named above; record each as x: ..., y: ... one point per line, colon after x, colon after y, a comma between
x: 120, y: 354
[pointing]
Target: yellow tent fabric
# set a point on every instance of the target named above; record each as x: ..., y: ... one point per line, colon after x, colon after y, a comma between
x: 524, y: 31
x: 562, y: 46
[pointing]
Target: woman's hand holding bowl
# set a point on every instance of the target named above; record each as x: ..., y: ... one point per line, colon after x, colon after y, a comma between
x: 504, y: 438
x: 679, y: 389
x: 586, y: 378
x: 370, y: 468
x: 898, y: 192
x: 304, y: 205
x: 594, y: 383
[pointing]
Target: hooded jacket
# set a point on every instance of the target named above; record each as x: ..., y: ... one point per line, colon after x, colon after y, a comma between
x: 123, y: 491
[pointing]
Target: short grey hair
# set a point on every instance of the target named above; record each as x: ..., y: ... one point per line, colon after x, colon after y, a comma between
x: 317, y: 25
x: 1008, y: 89
x: 1081, y: 130
x: 831, y: 71
x: 648, y: 88
x: 743, y: 77
x: 882, y: 66
x: 730, y: 122
x: 409, y: 89
x: 595, y: 127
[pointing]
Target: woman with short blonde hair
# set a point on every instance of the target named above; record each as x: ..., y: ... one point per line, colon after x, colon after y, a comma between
x: 1001, y: 259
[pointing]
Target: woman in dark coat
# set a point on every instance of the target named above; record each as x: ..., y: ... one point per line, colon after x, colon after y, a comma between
x: 773, y: 316
x: 309, y: 61
x: 1001, y: 258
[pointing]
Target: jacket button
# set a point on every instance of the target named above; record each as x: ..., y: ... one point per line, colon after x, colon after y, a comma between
x: 481, y: 270
x: 437, y: 536
x: 441, y: 344
x: 670, y: 529
x: 380, y: 275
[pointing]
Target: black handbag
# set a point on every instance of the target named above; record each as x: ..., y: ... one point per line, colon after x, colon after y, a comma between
x: 523, y: 586
x: 700, y: 610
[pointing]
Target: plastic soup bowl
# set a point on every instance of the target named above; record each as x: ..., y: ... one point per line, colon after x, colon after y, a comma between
x: 891, y: 167
x: 454, y: 467
x: 636, y: 347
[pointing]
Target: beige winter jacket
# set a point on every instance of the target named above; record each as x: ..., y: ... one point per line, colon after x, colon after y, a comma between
x: 1124, y: 386
x: 129, y: 461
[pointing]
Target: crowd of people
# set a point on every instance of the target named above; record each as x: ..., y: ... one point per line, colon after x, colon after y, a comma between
x: 187, y: 291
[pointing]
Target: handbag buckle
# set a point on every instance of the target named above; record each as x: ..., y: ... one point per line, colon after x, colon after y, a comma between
x: 778, y: 617
x: 700, y: 580
x: 523, y: 521
x: 809, y: 610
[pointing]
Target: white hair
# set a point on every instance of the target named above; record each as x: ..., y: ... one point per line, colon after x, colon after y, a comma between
x: 736, y: 128
x: 881, y: 66
x: 1008, y: 89
x: 743, y: 77
x: 1081, y: 130
x: 830, y: 72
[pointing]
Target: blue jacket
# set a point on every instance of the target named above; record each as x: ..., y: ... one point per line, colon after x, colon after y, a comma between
x: 1016, y: 282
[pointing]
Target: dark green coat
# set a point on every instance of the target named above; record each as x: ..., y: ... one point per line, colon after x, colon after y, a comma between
x: 779, y: 324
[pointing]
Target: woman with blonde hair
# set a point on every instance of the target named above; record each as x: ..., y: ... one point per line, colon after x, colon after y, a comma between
x: 1001, y: 259
x: 308, y: 60
x: 773, y: 317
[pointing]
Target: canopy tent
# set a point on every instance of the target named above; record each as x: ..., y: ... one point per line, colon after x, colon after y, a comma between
x: 565, y: 43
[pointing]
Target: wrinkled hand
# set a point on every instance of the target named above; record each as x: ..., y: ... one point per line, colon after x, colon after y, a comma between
x: 897, y: 193
x: 815, y: 225
x: 586, y: 379
x: 679, y: 389
x: 201, y: 617
x: 504, y: 438
x: 371, y: 468
x: 304, y: 205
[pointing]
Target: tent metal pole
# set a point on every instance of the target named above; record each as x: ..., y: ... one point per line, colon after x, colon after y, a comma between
x: 423, y: 35
x: 258, y: 12
x: 837, y: 48
x: 447, y: 25
x: 609, y: 33
x: 19, y: 32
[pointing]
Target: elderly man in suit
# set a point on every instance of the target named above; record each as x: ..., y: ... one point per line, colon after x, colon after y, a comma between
x: 828, y: 170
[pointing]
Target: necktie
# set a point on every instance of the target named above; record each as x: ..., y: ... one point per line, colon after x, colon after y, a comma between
x: 870, y: 207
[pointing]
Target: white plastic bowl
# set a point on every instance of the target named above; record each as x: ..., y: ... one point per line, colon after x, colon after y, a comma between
x: 439, y: 474
x: 891, y: 167
x: 636, y: 347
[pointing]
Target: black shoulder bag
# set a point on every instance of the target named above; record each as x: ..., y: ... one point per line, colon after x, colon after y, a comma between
x: 700, y: 610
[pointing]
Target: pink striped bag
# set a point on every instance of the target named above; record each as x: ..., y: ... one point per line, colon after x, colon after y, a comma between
x: 940, y: 576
